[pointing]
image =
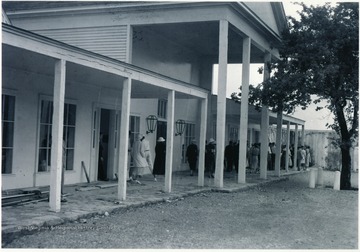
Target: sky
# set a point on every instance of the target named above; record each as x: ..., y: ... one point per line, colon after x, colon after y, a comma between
x: 315, y: 120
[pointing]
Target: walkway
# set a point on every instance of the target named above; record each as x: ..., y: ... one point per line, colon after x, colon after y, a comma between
x: 100, y: 198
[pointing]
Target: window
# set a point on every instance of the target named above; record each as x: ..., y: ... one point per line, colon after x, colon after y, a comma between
x: 8, y: 120
x: 45, y: 140
x: 233, y: 134
x: 69, y: 134
x: 189, y: 135
x: 162, y: 105
x: 134, y: 130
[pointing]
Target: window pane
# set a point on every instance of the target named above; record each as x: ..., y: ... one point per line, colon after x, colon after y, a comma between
x: 45, y: 136
x: 42, y: 160
x: 7, y: 161
x: 8, y: 107
x: 71, y: 115
x: 69, y: 160
x: 8, y: 134
x: 70, y: 138
x: 46, y: 111
x: 66, y: 108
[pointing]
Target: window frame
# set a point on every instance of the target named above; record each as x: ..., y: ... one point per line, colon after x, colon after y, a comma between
x: 13, y: 93
x: 65, y: 128
x: 162, y: 108
x: 189, y: 134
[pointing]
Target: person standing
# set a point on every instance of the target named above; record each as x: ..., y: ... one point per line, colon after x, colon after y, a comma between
x: 273, y: 155
x: 101, y: 166
x: 210, y: 155
x: 139, y: 159
x: 254, y: 153
x: 236, y: 155
x: 192, y: 153
x: 146, y: 149
x: 129, y: 157
x: 229, y: 156
x: 302, y: 157
x: 308, y: 157
x: 160, y: 157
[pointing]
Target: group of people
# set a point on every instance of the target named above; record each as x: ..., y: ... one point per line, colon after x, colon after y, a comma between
x: 141, y: 156
x: 302, y: 162
x: 304, y: 159
x: 140, y: 153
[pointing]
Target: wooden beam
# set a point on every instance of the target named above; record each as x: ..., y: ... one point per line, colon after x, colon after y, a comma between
x: 244, y: 110
x: 221, y: 103
x: 202, y: 140
x: 169, y: 140
x: 123, y: 139
x: 296, y: 145
x: 278, y: 143
x: 287, y: 147
x: 57, y: 136
x: 264, y: 132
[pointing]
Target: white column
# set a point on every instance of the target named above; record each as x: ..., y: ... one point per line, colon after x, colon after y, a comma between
x: 129, y: 42
x: 296, y: 145
x: 251, y: 136
x: 202, y: 140
x: 169, y: 140
x: 57, y: 136
x: 264, y: 134
x: 287, y: 147
x: 244, y: 110
x: 221, y: 103
x: 123, y: 139
x: 278, y: 143
x: 302, y: 135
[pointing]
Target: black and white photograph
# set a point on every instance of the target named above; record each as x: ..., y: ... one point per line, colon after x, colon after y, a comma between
x: 144, y: 125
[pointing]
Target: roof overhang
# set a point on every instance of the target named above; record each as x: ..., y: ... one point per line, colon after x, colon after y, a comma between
x: 46, y: 50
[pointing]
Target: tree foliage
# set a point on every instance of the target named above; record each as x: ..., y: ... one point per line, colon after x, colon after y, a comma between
x: 319, y: 56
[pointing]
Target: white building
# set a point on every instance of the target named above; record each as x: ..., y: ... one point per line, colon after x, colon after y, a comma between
x: 80, y: 68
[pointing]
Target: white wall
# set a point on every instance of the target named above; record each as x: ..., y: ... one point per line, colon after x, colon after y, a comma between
x: 29, y: 88
x: 163, y: 56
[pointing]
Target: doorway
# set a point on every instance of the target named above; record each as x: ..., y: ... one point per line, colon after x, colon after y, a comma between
x: 108, y: 144
x: 161, y: 129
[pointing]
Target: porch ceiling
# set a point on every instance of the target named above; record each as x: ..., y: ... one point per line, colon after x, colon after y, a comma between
x: 31, y: 62
x: 203, y: 38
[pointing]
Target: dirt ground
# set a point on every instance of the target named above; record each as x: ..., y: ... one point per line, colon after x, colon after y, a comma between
x: 282, y: 215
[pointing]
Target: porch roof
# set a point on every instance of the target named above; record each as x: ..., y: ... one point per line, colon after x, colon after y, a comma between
x: 254, y: 116
x: 194, y: 25
x: 37, y: 54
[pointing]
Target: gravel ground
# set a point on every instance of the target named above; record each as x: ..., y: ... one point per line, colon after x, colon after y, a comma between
x: 283, y: 215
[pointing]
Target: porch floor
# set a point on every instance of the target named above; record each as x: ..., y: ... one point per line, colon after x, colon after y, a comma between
x: 100, y: 198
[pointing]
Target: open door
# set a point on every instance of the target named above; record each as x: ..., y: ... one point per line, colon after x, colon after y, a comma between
x: 105, y: 133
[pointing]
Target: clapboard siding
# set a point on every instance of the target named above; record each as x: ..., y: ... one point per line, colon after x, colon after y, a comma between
x: 108, y: 41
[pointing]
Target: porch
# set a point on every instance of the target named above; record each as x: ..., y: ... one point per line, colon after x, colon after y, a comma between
x: 98, y: 199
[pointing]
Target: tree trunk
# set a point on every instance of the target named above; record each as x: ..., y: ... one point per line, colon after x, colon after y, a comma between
x: 345, y: 178
x: 345, y: 145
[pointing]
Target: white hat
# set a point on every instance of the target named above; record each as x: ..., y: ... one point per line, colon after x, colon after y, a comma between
x: 211, y: 140
x: 140, y: 136
x: 161, y: 139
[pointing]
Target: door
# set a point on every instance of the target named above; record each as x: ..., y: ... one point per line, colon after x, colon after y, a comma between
x: 105, y: 136
x: 161, y: 129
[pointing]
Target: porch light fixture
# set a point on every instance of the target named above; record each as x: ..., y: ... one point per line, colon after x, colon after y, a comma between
x: 151, y: 122
x: 180, y: 127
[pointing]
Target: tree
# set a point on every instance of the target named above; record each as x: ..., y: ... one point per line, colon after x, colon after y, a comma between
x: 319, y: 56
